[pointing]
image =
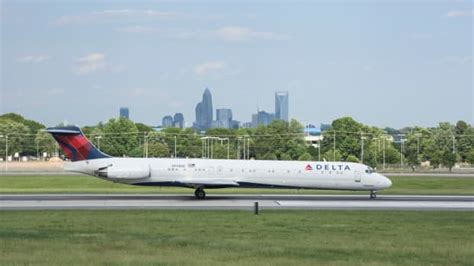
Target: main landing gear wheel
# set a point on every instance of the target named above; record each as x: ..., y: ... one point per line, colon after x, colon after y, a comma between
x: 199, y: 193
x: 373, y: 194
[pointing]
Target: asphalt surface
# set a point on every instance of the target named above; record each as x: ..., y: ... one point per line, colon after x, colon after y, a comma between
x: 233, y: 201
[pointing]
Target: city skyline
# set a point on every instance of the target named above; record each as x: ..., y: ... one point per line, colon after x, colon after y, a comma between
x: 391, y: 64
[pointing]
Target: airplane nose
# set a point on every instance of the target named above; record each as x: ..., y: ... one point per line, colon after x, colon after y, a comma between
x: 388, y: 182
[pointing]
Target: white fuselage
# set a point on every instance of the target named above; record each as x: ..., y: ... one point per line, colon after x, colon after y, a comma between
x: 210, y: 173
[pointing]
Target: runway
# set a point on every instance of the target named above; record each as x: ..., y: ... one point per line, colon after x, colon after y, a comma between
x: 233, y: 201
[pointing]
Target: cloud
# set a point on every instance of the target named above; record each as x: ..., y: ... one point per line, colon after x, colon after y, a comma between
x: 460, y: 13
x: 234, y: 33
x: 115, y: 15
x: 32, y: 59
x: 367, y: 68
x: 136, y: 29
x: 209, y: 67
x: 231, y: 34
x: 90, y: 63
x: 458, y: 60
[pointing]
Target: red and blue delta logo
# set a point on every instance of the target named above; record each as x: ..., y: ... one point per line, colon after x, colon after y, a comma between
x: 328, y: 167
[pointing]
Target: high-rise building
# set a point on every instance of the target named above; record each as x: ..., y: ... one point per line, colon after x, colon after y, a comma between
x: 325, y: 127
x: 234, y: 124
x: 124, y: 113
x: 247, y: 125
x: 204, y: 112
x: 178, y: 120
x: 167, y: 121
x: 262, y: 118
x: 281, y: 105
x: 224, y: 118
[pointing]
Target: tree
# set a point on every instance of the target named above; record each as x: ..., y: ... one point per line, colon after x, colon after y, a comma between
x: 280, y: 138
x: 31, y: 124
x: 392, y: 155
x: 348, y: 133
x: 353, y: 159
x: 95, y: 136
x: 120, y: 137
x: 464, y: 141
x: 189, y: 144
x: 448, y: 159
x: 470, y: 156
x: 143, y: 128
x: 269, y: 156
x: 285, y: 157
x: 45, y: 143
x: 158, y: 150
x: 313, y: 151
x: 329, y: 156
x: 18, y: 137
x: 28, y: 145
x: 305, y: 157
x: 295, y: 149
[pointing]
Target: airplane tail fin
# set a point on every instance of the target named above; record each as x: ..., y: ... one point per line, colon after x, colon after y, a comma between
x: 74, y: 144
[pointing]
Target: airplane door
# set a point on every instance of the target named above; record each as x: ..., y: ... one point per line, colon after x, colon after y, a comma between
x: 357, y: 176
x: 211, y: 170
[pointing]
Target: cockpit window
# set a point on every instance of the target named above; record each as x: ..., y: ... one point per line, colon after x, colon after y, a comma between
x: 369, y: 170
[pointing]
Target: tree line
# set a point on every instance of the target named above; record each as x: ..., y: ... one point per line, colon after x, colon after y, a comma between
x: 346, y: 140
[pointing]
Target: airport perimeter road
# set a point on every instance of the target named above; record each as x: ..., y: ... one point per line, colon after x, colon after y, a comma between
x: 225, y: 202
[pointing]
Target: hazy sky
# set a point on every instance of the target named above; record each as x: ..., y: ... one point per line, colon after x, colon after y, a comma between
x: 386, y: 63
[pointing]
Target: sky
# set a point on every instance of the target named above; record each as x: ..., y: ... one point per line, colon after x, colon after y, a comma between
x: 385, y: 63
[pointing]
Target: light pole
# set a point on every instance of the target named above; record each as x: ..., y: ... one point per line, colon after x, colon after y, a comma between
x: 204, y: 147
x: 319, y: 149
x: 383, y: 150
x: 238, y: 148
x: 175, y: 146
x: 334, y: 148
x: 362, y: 147
x: 418, y: 135
x: 245, y: 149
x: 6, y: 151
x: 401, y: 149
x: 248, y: 148
x: 37, y: 149
x: 98, y: 141
x: 376, y: 150
x: 454, y: 144
x: 145, y: 145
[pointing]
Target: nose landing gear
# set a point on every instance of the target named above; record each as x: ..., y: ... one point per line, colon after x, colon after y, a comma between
x: 199, y: 193
x: 373, y: 194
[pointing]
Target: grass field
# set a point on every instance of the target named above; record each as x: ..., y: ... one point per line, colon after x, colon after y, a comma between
x: 87, y: 184
x: 236, y: 238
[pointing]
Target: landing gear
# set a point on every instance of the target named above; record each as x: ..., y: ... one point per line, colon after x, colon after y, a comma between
x: 373, y: 194
x: 199, y: 193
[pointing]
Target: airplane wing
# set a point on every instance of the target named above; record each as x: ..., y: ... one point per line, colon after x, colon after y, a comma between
x: 210, y: 183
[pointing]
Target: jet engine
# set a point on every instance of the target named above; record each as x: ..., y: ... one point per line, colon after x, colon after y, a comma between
x: 134, y: 172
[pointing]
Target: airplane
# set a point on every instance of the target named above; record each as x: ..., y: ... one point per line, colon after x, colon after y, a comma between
x: 203, y: 174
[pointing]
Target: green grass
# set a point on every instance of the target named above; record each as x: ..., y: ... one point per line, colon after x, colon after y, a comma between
x: 86, y: 184
x: 147, y: 237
